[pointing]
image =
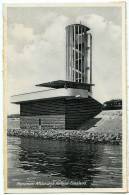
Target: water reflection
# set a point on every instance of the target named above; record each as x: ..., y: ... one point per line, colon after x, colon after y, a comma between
x: 75, y: 164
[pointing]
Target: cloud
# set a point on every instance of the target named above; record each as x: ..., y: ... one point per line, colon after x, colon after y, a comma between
x: 107, y: 60
x: 36, y: 56
x: 95, y: 22
x: 20, y: 36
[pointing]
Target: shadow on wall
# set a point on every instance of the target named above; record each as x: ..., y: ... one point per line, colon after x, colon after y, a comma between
x: 90, y: 123
x: 85, y: 126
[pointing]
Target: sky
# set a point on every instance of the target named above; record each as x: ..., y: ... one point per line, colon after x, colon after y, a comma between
x: 36, y: 48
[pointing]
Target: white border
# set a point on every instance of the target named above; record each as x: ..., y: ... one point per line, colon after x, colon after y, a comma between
x: 124, y: 115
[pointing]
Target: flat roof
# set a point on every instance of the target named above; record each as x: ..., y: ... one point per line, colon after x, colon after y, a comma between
x: 77, y: 24
x: 65, y: 84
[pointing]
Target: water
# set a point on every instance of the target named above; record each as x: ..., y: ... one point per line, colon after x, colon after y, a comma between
x: 46, y: 163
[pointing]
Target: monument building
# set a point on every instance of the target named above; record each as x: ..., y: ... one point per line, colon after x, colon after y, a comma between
x: 69, y: 102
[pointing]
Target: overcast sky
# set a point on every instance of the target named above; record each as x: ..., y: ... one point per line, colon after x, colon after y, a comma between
x: 36, y: 47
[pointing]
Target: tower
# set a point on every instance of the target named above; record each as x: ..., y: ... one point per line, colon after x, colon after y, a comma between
x: 78, y: 54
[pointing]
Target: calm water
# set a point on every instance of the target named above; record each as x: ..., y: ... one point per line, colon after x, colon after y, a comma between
x: 41, y: 163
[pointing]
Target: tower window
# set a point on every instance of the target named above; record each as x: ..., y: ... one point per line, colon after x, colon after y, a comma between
x: 76, y: 63
x: 80, y: 30
x: 79, y: 78
x: 79, y: 64
x: 79, y: 47
x: 76, y: 76
x: 76, y: 55
x: 76, y: 29
x: 82, y: 67
x: 76, y: 46
x: 73, y: 37
x: 73, y: 75
x: 82, y: 78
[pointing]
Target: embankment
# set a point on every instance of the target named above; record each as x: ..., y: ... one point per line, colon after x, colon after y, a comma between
x: 104, y: 128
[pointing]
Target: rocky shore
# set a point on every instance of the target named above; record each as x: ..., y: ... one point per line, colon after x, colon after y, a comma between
x: 69, y: 135
x: 104, y: 128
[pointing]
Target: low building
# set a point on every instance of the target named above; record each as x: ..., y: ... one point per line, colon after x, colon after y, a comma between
x: 113, y: 105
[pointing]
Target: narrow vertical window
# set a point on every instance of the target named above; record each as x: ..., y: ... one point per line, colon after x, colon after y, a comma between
x: 76, y: 64
x: 76, y: 76
x: 80, y: 65
x: 39, y: 122
x: 73, y: 75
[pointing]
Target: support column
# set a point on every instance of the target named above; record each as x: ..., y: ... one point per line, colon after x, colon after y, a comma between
x: 67, y: 54
x: 91, y: 62
x: 74, y: 54
x: 78, y: 53
x: 81, y: 55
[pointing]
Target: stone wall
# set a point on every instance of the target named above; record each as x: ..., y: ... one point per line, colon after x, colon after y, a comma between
x: 42, y: 122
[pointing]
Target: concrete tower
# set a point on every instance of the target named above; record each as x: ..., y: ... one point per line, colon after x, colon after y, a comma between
x: 78, y: 54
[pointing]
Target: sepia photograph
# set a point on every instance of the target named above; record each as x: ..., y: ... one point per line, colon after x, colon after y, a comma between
x: 65, y: 98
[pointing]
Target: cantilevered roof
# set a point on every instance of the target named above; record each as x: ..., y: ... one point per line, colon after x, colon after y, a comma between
x: 51, y: 93
x: 65, y: 84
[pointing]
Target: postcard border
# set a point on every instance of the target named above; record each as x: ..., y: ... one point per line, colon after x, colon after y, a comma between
x: 124, y: 93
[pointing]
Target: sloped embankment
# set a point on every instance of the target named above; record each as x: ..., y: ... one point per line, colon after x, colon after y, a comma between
x: 109, y: 122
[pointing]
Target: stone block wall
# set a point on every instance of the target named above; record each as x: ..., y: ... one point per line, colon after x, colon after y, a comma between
x: 42, y: 122
x: 61, y: 113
